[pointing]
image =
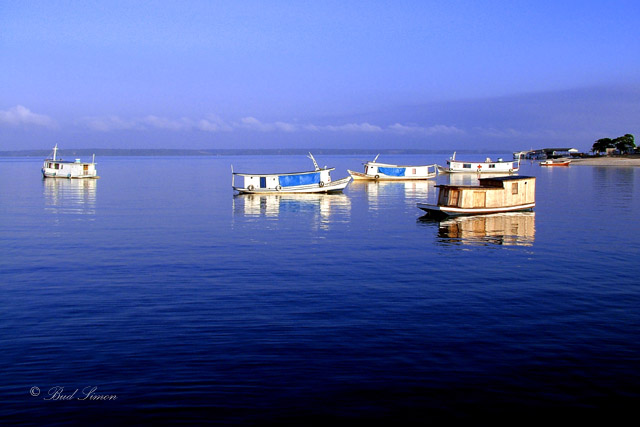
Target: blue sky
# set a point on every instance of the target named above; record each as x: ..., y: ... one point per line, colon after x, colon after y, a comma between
x: 334, y: 74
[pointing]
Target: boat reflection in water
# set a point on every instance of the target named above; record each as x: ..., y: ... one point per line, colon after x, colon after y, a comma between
x: 322, y: 206
x: 469, y: 179
x: 514, y: 228
x: 378, y: 191
x: 70, y: 196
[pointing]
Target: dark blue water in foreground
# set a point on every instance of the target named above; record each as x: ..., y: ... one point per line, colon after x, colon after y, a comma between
x: 155, y: 286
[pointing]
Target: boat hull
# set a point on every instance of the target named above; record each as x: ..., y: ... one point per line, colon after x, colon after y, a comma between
x: 331, y: 187
x: 555, y: 163
x: 446, y: 211
x: 359, y: 176
x: 57, y: 174
x: 477, y: 170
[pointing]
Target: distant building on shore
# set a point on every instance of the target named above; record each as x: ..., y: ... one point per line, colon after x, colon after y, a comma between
x: 547, y: 153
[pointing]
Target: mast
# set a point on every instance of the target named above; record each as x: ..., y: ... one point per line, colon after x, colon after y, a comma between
x: 55, y: 150
x: 314, y: 161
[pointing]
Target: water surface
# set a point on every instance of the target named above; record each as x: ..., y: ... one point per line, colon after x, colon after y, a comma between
x: 157, y: 285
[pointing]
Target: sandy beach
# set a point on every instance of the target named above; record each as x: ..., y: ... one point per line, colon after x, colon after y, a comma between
x: 607, y: 161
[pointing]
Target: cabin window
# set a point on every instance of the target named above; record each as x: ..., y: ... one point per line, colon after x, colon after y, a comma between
x: 414, y: 171
x: 514, y: 188
x: 492, y: 166
x: 50, y: 165
x: 467, y: 165
x: 57, y: 165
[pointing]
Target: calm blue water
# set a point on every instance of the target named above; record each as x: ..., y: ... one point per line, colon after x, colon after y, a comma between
x: 159, y: 287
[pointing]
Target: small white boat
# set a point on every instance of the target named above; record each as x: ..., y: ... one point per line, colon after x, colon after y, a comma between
x: 492, y: 195
x: 556, y: 162
x: 316, y: 181
x: 58, y: 168
x: 488, y: 166
x: 387, y: 172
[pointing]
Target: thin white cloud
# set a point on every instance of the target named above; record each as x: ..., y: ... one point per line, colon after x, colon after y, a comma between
x: 353, y: 127
x: 110, y: 123
x: 22, y: 116
x: 421, y: 130
x: 213, y: 123
x: 168, y: 124
x: 254, y: 124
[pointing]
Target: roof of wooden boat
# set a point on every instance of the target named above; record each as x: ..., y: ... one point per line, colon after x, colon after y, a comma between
x: 507, y: 178
x: 497, y: 178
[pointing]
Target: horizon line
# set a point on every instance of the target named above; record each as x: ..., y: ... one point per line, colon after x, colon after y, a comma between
x: 232, y: 151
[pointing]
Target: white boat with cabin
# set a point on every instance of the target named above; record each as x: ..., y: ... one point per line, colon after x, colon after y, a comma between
x: 556, y: 162
x: 387, y: 172
x: 316, y: 181
x: 499, y: 166
x: 55, y: 167
x: 492, y: 195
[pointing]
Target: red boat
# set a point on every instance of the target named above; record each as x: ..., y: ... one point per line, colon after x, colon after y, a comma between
x: 555, y: 163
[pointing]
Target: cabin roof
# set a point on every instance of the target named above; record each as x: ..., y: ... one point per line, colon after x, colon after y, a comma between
x: 283, y: 173
x: 501, y: 179
x: 67, y: 162
x: 506, y: 178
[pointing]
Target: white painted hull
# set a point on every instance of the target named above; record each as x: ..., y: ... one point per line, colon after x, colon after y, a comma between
x: 483, y: 169
x: 453, y: 211
x: 330, y: 187
x: 488, y: 166
x: 53, y: 173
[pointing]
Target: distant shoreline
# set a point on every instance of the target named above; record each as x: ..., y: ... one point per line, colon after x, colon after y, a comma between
x: 607, y: 161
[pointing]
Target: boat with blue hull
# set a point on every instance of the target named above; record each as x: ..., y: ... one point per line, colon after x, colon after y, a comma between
x: 316, y: 181
x: 374, y: 171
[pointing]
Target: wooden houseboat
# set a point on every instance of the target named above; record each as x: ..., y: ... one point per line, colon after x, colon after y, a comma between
x: 387, y: 172
x: 492, y: 195
x: 316, y: 181
x: 58, y: 168
x: 488, y: 166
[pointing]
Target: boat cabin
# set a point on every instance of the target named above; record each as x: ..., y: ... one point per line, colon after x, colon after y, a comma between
x: 495, y: 192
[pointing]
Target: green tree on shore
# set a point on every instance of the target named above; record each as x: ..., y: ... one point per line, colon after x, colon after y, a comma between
x: 601, y: 145
x: 623, y: 144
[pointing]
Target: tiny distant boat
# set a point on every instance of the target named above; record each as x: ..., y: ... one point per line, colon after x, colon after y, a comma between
x: 383, y: 171
x: 488, y: 166
x: 316, y: 181
x: 58, y: 168
x: 492, y: 195
x: 555, y: 162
